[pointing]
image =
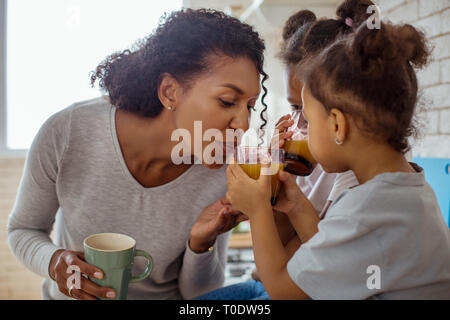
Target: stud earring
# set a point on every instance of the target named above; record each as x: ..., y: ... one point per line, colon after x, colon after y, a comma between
x: 338, y: 142
x: 169, y: 107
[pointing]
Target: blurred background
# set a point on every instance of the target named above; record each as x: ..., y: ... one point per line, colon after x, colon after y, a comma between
x: 48, y: 48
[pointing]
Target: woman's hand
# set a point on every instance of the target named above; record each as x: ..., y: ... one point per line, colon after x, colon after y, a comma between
x: 219, y: 217
x: 246, y: 194
x: 59, y: 267
x: 281, y: 135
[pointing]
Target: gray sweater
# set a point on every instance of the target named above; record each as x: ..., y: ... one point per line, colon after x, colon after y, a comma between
x: 76, y: 179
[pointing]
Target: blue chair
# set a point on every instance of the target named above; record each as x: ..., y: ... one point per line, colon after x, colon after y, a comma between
x: 437, y: 173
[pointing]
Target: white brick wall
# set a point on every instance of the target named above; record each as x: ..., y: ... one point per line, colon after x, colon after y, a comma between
x: 433, y: 17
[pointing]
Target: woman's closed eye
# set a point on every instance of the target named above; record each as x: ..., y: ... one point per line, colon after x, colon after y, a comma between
x: 228, y: 104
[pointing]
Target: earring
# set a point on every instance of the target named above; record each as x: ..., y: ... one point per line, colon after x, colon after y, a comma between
x: 169, y: 107
x: 338, y: 142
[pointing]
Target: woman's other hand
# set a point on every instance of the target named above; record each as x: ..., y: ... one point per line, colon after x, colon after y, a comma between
x: 219, y: 217
x: 61, y: 268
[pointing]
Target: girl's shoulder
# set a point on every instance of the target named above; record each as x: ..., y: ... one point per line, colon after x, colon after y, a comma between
x: 388, y: 196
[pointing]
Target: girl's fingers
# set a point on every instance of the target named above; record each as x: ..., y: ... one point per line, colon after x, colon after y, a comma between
x: 224, y: 201
x: 283, y: 118
x: 237, y: 171
x: 281, y: 138
x: 228, y: 196
x: 230, y: 173
x: 284, y: 125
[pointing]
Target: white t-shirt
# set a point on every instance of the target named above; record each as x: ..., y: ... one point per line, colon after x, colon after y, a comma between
x: 321, y: 187
x: 384, y: 239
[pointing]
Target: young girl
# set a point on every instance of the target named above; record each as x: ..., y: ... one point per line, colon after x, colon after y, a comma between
x: 359, y: 98
x: 303, y: 34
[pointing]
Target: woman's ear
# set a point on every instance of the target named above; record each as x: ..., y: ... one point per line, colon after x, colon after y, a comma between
x: 339, y: 125
x: 168, y: 91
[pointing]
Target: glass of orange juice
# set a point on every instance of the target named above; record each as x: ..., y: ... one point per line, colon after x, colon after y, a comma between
x: 299, y: 160
x: 250, y: 160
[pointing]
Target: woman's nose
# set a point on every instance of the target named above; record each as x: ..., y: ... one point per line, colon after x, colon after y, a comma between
x: 241, y: 120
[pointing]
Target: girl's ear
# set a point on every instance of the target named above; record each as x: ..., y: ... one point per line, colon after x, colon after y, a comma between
x: 339, y: 125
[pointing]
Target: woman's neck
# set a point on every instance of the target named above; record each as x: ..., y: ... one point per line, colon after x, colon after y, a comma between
x: 375, y: 159
x: 147, y: 148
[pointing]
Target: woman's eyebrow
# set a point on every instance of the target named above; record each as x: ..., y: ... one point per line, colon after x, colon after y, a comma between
x: 232, y: 86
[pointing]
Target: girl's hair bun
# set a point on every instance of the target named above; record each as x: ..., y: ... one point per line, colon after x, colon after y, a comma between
x: 377, y: 50
x: 356, y: 10
x: 297, y: 21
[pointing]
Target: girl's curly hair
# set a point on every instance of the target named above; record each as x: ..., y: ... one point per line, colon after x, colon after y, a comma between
x: 179, y: 46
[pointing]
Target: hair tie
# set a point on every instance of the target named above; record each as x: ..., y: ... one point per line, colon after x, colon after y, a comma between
x: 349, y: 22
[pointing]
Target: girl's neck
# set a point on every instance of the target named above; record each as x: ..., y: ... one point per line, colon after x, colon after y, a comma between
x: 376, y: 159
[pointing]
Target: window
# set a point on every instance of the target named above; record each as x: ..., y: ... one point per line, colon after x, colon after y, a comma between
x: 53, y: 45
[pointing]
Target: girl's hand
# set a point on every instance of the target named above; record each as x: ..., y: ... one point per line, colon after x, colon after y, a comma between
x: 219, y: 217
x: 246, y: 194
x: 291, y: 198
x: 59, y: 265
x: 281, y: 135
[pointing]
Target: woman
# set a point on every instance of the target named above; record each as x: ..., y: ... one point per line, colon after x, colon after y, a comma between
x: 106, y: 164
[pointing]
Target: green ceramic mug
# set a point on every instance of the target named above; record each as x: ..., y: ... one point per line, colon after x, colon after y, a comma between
x: 114, y: 254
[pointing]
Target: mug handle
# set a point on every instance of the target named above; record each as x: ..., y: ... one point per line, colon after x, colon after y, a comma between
x: 147, y: 271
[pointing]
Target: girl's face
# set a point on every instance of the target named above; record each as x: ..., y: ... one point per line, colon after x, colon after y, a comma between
x: 294, y: 97
x: 293, y: 90
x: 221, y: 98
x: 321, y: 134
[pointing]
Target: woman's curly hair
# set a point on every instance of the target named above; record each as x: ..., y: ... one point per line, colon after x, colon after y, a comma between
x: 179, y: 46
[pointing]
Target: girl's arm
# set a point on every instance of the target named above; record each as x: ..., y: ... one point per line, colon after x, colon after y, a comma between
x: 300, y: 210
x: 252, y: 197
x: 288, y: 237
x: 271, y: 257
x: 284, y: 227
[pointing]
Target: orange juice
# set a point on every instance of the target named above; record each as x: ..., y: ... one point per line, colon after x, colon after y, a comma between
x: 254, y: 171
x: 299, y: 160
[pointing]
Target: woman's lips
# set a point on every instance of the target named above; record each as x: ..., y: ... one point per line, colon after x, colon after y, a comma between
x: 228, y: 149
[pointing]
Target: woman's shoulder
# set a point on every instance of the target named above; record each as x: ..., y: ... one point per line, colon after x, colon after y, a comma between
x: 87, y: 110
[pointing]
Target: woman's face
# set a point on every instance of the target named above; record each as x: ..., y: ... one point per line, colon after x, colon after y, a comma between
x: 222, y: 98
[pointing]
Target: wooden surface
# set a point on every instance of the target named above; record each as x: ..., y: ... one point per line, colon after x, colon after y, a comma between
x: 16, y: 281
x: 240, y: 240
